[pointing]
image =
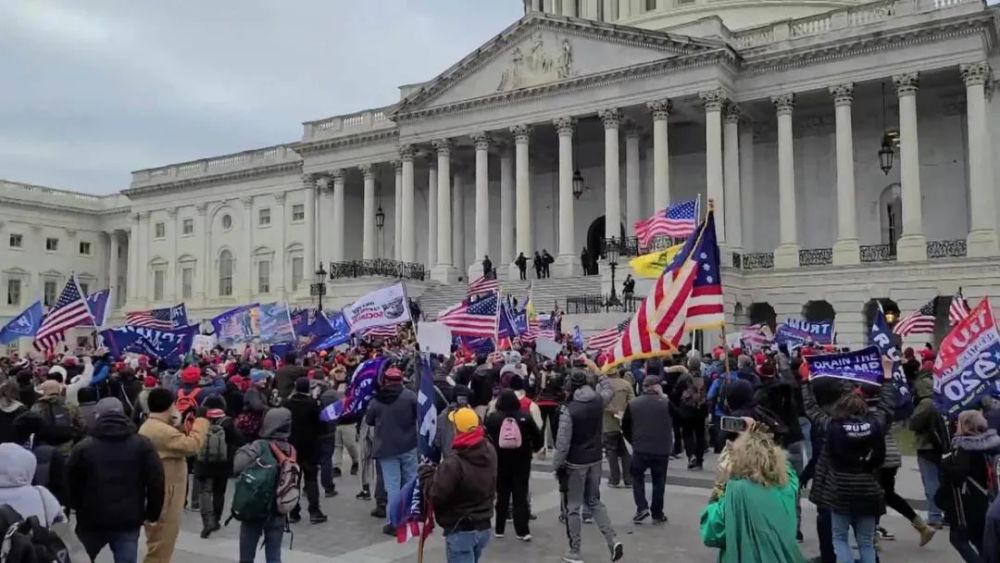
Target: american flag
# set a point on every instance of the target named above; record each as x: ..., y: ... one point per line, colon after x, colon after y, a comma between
x: 756, y: 336
x: 168, y: 318
x: 384, y: 331
x: 483, y: 285
x: 678, y: 221
x: 473, y: 317
x: 540, y: 326
x: 70, y: 311
x: 607, y: 337
x: 959, y: 308
x: 920, y: 321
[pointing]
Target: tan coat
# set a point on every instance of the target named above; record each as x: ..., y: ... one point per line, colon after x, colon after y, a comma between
x: 622, y: 393
x: 173, y: 447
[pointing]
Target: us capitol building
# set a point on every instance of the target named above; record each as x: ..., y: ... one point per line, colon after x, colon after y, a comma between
x: 848, y: 146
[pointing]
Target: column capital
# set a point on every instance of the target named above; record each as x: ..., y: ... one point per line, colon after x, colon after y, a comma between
x: 322, y: 182
x: 906, y: 84
x: 144, y: 215
x: 172, y: 212
x: 521, y: 133
x: 713, y: 99
x: 201, y: 208
x: 135, y: 217
x: 368, y: 170
x: 660, y: 108
x: 442, y: 146
x: 397, y: 165
x: 309, y: 180
x: 482, y: 141
x: 732, y: 113
x: 431, y: 159
x: 565, y: 126
x: 611, y: 117
x: 279, y: 198
x: 784, y: 103
x: 974, y: 74
x: 338, y: 175
x: 843, y: 94
x: 247, y: 201
x: 406, y: 153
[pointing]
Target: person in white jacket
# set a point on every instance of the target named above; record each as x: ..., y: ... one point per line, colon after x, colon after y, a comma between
x: 80, y: 381
x: 16, y: 473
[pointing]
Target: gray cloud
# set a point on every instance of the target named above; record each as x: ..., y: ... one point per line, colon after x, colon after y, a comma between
x: 96, y: 89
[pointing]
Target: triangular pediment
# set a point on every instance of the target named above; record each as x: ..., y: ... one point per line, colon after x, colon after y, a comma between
x: 542, y: 50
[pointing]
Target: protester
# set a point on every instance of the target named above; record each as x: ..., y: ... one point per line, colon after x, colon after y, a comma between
x: 213, y: 463
x: 306, y: 429
x: 50, y: 471
x: 10, y: 408
x: 16, y: 474
x: 550, y: 396
x: 116, y: 483
x: 288, y: 374
x: 619, y: 459
x: 393, y: 418
x: 931, y: 442
x: 87, y: 407
x: 63, y: 424
x: 646, y: 425
x: 887, y: 479
x: 522, y: 265
x: 515, y: 436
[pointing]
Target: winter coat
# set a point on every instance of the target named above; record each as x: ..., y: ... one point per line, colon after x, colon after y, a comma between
x: 16, y: 490
x: 622, y: 394
x: 893, y: 458
x: 991, y: 534
x: 8, y: 412
x: 648, y: 426
x: 393, y: 418
x: 929, y: 431
x: 50, y: 471
x: 284, y: 378
x: 61, y: 436
x: 782, y: 397
x: 579, y: 440
x: 306, y: 426
x: 234, y: 440
x: 174, y: 447
x: 962, y: 495
x: 115, y: 477
x: 88, y: 415
x: 463, y: 488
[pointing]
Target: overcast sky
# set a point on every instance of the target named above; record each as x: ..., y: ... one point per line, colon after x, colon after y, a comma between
x: 94, y: 89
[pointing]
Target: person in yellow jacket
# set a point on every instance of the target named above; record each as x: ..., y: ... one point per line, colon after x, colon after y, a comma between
x: 174, y: 447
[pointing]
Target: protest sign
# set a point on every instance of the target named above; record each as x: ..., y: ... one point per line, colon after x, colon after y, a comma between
x: 202, y: 343
x: 861, y: 366
x: 276, y: 323
x: 386, y: 306
x: 149, y: 341
x: 434, y: 338
x: 237, y: 325
x: 797, y: 332
x: 966, y: 366
x: 548, y: 348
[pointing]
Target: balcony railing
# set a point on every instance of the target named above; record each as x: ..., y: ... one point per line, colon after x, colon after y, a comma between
x: 873, y: 253
x: 815, y: 256
x: 946, y: 249
x: 629, y: 246
x: 377, y: 267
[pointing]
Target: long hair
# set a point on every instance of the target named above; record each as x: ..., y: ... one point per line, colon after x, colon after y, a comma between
x: 849, y: 405
x: 755, y: 456
x: 971, y: 423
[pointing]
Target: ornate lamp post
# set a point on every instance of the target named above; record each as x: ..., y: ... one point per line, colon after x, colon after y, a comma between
x: 611, y: 254
x: 319, y: 288
x: 380, y: 218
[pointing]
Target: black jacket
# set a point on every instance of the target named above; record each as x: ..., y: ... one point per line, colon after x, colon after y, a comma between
x: 531, y: 437
x: 393, y: 418
x: 115, y: 477
x: 306, y: 426
x: 647, y: 425
x: 284, y: 378
x: 962, y: 495
x: 463, y: 487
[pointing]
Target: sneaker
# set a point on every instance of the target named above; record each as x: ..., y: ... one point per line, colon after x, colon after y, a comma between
x: 498, y: 535
x: 660, y: 520
x: 378, y: 512
x: 336, y: 472
x: 640, y: 516
x: 572, y: 557
x: 354, y: 468
x: 617, y: 551
x: 330, y: 493
x: 365, y: 494
x: 532, y: 516
x: 388, y: 530
x: 317, y: 518
x: 618, y: 486
x: 588, y: 519
x: 691, y: 463
x: 205, y: 532
x: 525, y: 537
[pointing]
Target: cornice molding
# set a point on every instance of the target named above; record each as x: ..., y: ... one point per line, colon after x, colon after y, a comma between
x: 48, y: 206
x: 365, y: 138
x: 250, y: 173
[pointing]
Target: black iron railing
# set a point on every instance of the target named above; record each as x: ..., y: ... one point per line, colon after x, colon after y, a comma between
x: 629, y: 246
x: 378, y: 267
x: 757, y: 261
x: 873, y: 253
x: 595, y: 303
x: 946, y: 249
x: 815, y: 256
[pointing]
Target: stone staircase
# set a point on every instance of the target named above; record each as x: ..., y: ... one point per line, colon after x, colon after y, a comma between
x: 545, y: 292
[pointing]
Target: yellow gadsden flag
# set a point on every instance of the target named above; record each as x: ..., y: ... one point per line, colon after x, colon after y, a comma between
x: 652, y: 265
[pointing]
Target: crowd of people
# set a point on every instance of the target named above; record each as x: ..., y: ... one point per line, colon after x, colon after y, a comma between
x: 119, y: 445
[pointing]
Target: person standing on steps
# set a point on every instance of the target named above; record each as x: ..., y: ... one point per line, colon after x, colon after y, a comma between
x: 547, y: 261
x: 487, y: 268
x: 539, y: 264
x: 522, y: 265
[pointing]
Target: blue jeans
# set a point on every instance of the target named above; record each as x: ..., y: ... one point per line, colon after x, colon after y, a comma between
x: 397, y: 470
x: 466, y: 547
x: 807, y: 450
x: 930, y: 476
x: 124, y: 544
x: 864, y: 533
x: 250, y: 534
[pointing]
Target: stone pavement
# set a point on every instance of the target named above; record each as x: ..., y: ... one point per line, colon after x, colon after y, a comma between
x: 352, y: 536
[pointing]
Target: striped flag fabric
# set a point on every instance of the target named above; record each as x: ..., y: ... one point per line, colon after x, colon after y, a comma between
x: 756, y: 336
x: 384, y: 331
x: 959, y: 308
x: 483, y: 285
x: 474, y: 316
x: 168, y: 318
x: 920, y: 321
x: 70, y: 311
x: 678, y: 221
x: 607, y: 337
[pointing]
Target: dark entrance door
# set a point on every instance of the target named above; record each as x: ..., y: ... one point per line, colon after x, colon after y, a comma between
x: 595, y: 244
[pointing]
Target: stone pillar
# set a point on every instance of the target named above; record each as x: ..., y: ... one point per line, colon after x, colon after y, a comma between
x: 408, y: 216
x: 482, y: 141
x: 131, y: 281
x: 567, y: 264
x: 249, y: 286
x: 507, y: 252
x: 113, y: 270
x: 845, y: 251
x: 612, y: 196
x: 203, y: 291
x: 144, y: 294
x: 170, y: 281
x: 633, y: 210
x: 368, y: 211
x: 787, y: 253
x: 444, y: 271
x: 397, y: 223
x: 982, y: 240
x: 458, y: 186
x: 432, y: 212
x: 747, y: 183
x: 733, y: 194
x: 522, y: 188
x: 280, y: 257
x: 912, y: 245
x: 569, y: 8
x: 661, y: 154
x: 339, y: 232
x: 714, y: 101
x: 313, y: 184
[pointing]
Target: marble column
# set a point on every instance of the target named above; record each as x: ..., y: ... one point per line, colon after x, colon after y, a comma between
x: 432, y: 212
x: 444, y: 271
x: 522, y: 189
x: 612, y: 196
x: 569, y: 8
x: 458, y: 187
x: 368, y: 211
x: 982, y: 239
x: 249, y: 287
x: 912, y: 245
x: 313, y: 183
x: 507, y: 252
x: 339, y: 232
x: 408, y: 215
x: 145, y: 293
x: 714, y: 101
x: 747, y: 184
x: 661, y: 154
x: 281, y: 263
x: 131, y: 282
x: 112, y: 269
x: 633, y: 189
x: 845, y: 250
x: 731, y: 168
x: 567, y: 264
x: 204, y: 291
x: 482, y: 142
x: 171, y: 277
x: 787, y: 253
x: 397, y: 205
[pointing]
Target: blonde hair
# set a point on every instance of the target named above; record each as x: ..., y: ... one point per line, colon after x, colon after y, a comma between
x: 755, y: 456
x: 970, y: 423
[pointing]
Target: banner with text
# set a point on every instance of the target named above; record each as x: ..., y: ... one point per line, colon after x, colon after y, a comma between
x: 862, y: 366
x: 152, y: 342
x: 966, y: 366
x: 797, y: 332
x: 275, y: 323
x: 237, y: 325
x: 386, y: 306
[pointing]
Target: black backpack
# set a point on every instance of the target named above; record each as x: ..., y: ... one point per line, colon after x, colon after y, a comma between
x: 28, y: 541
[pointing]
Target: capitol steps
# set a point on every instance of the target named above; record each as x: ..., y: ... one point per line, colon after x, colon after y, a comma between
x: 545, y: 292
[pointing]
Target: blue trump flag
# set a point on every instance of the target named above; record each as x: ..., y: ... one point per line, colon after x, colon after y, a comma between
x: 359, y: 393
x: 507, y: 325
x: 149, y: 341
x: 335, y: 333
x: 427, y: 414
x: 880, y: 337
x: 98, y: 303
x: 275, y: 323
x: 239, y: 324
x: 862, y: 366
x: 24, y: 325
x: 577, y: 338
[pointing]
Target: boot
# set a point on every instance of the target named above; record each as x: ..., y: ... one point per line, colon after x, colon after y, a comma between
x: 925, y: 531
x: 206, y: 525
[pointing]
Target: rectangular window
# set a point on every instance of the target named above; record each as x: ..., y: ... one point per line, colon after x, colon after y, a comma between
x: 299, y: 212
x: 85, y: 288
x: 160, y: 230
x: 187, y: 282
x: 188, y: 226
x: 158, y: 276
x: 264, y: 276
x: 49, y: 293
x: 52, y: 244
x: 85, y: 248
x: 16, y: 241
x: 296, y: 273
x: 264, y: 216
x: 13, y: 292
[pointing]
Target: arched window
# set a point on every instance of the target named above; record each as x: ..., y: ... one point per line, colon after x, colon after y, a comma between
x: 225, y: 274
x: 891, y: 214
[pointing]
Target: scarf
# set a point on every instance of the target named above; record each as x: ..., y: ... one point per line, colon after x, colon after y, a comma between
x: 467, y: 439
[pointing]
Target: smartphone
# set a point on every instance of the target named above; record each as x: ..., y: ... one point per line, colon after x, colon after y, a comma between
x: 733, y: 424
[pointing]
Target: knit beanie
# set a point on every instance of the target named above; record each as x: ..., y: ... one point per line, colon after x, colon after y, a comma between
x: 190, y: 375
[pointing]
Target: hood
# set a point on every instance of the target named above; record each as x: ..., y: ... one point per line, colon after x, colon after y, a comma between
x: 480, y: 455
x: 923, y: 387
x: 277, y: 424
x: 18, y: 468
x: 585, y: 394
x: 739, y: 394
x: 388, y: 395
x: 113, y: 426
x: 9, y: 406
x: 985, y: 442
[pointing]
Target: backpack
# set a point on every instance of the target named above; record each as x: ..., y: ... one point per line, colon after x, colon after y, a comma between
x: 693, y: 397
x: 58, y: 415
x: 249, y: 422
x: 28, y: 541
x: 510, y: 434
x: 187, y: 404
x: 253, y: 494
x: 286, y: 496
x: 214, y: 449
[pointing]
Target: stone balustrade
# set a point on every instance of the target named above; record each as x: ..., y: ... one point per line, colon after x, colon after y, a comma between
x: 349, y: 124
x: 277, y: 154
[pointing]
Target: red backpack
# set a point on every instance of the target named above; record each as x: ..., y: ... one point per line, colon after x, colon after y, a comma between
x: 187, y: 404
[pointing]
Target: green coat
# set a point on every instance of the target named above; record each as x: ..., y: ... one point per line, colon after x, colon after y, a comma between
x: 750, y: 523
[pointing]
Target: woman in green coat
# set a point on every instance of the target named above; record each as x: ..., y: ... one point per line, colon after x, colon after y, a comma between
x: 751, y: 515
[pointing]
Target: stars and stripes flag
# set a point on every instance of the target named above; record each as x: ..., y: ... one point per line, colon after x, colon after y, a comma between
x: 607, y: 337
x: 483, y: 285
x: 71, y: 310
x: 920, y: 321
x: 168, y: 318
x: 959, y: 308
x: 756, y: 336
x: 678, y: 221
x: 384, y: 331
x: 474, y: 316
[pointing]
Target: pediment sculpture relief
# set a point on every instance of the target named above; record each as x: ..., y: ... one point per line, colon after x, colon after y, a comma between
x: 537, y: 65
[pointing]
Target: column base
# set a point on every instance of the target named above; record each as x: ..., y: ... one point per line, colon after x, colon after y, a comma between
x: 982, y: 243
x: 444, y: 274
x: 846, y: 253
x: 911, y: 248
x: 726, y: 255
x: 786, y: 256
x: 567, y: 266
